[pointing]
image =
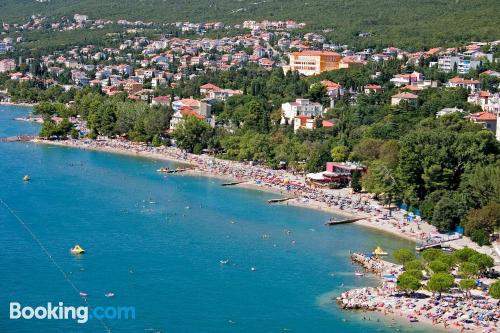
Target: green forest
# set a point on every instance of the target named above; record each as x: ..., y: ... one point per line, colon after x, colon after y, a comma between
x: 404, y: 23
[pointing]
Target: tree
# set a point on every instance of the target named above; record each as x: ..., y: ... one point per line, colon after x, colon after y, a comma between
x: 403, y: 256
x: 408, y: 282
x: 494, y: 290
x: 190, y: 132
x: 340, y: 153
x: 440, y: 282
x: 414, y: 265
x: 464, y: 254
x: 438, y: 266
x: 466, y: 285
x: 356, y: 182
x: 468, y: 269
x: 431, y: 254
x: 446, y: 214
x: 484, y: 219
x: 483, y: 261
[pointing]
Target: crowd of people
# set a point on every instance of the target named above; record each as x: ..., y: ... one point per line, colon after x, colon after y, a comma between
x: 477, y: 314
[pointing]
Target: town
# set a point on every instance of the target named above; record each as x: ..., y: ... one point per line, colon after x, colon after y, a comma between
x: 401, y: 140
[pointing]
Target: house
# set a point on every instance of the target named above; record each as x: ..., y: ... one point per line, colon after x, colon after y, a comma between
x: 300, y: 107
x: 458, y: 82
x: 333, y: 90
x: 400, y: 80
x: 310, y: 62
x: 447, y: 111
x: 488, y: 102
x: 372, y: 88
x: 305, y: 122
x: 351, y: 62
x: 404, y: 96
x: 7, y: 65
x: 190, y: 107
x: 211, y: 91
x: 336, y: 172
x: 161, y: 100
x: 487, y: 119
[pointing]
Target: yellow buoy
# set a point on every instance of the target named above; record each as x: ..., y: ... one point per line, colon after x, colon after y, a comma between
x: 77, y: 249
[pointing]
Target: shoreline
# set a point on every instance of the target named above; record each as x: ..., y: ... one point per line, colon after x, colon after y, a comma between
x: 375, y: 221
x: 25, y: 105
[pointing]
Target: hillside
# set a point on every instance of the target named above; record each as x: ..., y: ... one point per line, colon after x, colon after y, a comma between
x: 400, y: 22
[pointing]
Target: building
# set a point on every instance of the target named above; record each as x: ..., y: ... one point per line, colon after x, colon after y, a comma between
x: 301, y: 107
x: 308, y: 123
x: 333, y: 90
x: 488, y: 102
x: 161, y: 100
x: 458, y: 82
x: 447, y: 111
x: 400, y: 80
x: 190, y: 107
x: 404, y: 96
x: 7, y: 65
x: 450, y: 63
x: 372, y: 88
x: 336, y: 172
x: 211, y: 91
x: 311, y: 62
x: 487, y: 119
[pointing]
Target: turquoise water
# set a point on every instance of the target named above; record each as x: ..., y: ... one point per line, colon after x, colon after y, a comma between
x: 156, y: 242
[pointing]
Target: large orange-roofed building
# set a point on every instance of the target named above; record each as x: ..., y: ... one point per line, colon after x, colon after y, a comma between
x: 312, y: 62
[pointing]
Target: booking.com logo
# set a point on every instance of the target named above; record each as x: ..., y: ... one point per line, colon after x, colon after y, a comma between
x: 62, y: 312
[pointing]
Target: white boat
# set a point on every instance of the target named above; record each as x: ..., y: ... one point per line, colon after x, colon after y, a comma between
x: 108, y: 295
x: 253, y: 269
x: 82, y: 294
x: 359, y: 274
x: 224, y: 262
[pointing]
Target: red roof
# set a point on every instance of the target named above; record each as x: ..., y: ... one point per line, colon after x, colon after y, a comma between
x: 327, y: 123
x: 373, y: 87
x: 316, y: 53
x: 457, y: 79
x: 186, y: 112
x: 484, y: 116
x: 209, y: 86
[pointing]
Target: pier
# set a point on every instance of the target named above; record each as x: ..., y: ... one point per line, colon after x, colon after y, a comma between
x: 271, y: 201
x: 20, y: 138
x: 233, y: 183
x: 333, y: 222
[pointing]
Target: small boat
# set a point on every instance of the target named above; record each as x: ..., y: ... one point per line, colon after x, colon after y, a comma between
x: 77, y: 249
x: 253, y: 269
x: 224, y: 262
x: 163, y: 170
x: 379, y: 252
x: 26, y: 178
x: 109, y: 295
x: 359, y: 274
x: 82, y: 294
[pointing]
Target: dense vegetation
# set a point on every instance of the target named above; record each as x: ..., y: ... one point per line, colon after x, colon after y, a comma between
x: 389, y: 22
x: 438, y: 267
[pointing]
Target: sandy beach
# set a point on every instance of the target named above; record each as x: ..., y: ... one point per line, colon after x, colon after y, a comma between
x: 341, y: 202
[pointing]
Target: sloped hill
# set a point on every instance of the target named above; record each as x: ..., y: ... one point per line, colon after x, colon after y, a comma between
x: 400, y: 22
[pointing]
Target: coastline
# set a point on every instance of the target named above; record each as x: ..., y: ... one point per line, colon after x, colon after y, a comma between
x: 26, y: 105
x: 374, y: 221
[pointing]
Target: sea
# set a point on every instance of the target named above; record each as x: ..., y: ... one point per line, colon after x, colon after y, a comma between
x: 183, y: 252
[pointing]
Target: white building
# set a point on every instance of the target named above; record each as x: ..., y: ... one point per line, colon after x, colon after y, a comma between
x: 7, y: 65
x: 301, y: 107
